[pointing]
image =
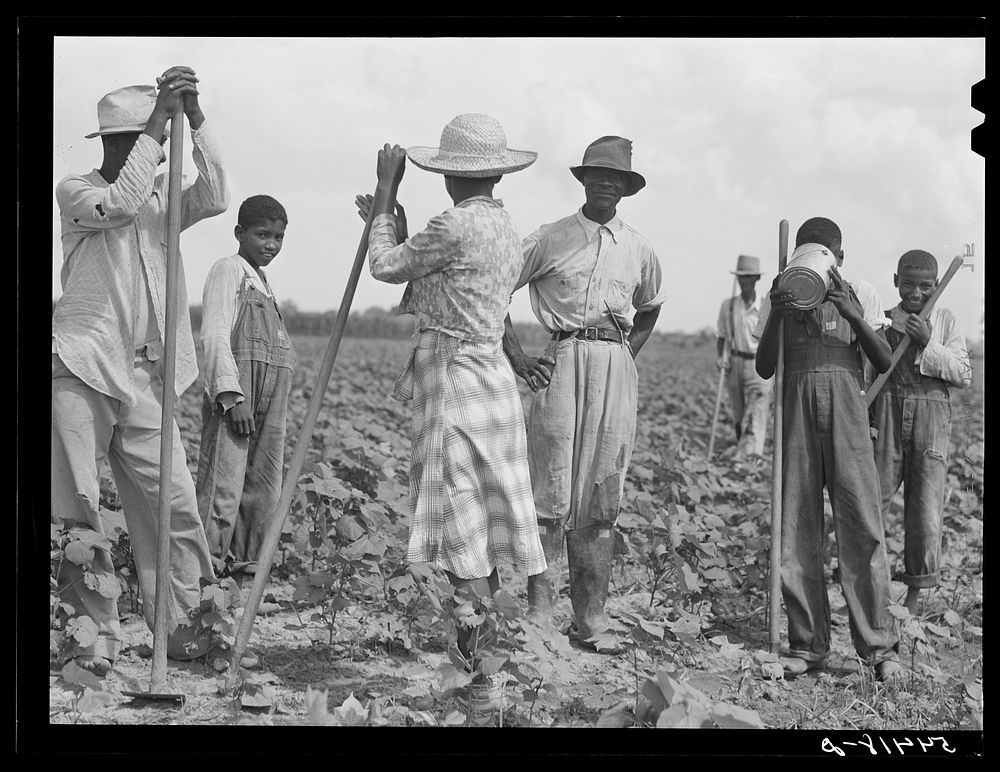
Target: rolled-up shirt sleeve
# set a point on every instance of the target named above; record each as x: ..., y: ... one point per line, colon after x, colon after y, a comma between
x: 871, y: 306
x: 765, y: 312
x: 946, y: 355
x: 433, y: 249
x: 722, y: 325
x: 209, y: 195
x: 650, y: 293
x: 218, y: 316
x: 96, y: 207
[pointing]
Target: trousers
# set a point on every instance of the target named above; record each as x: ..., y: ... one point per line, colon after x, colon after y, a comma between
x: 239, y: 478
x: 87, y: 427
x: 581, y: 431
x: 749, y: 399
x: 914, y: 438
x: 827, y: 442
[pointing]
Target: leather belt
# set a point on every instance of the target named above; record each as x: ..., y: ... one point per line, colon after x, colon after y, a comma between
x: 593, y: 333
x: 743, y: 355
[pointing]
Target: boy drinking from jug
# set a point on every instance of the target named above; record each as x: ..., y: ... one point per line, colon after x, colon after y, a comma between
x: 912, y: 416
x: 826, y: 441
x: 248, y: 366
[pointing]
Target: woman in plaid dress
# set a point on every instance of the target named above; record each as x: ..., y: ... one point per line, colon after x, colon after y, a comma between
x: 470, y: 490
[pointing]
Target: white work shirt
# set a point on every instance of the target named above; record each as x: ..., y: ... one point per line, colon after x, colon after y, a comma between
x: 737, y: 322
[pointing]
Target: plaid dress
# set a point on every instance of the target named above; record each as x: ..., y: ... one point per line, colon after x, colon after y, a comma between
x: 470, y: 489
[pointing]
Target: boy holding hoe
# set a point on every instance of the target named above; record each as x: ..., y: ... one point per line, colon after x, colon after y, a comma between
x: 249, y: 359
x: 912, y: 416
x: 827, y: 442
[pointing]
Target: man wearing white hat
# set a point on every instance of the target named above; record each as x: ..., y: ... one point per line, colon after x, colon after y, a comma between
x: 596, y: 287
x: 749, y: 394
x: 107, y: 349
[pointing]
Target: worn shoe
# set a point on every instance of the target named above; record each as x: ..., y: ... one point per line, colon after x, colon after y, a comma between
x: 189, y: 642
x: 888, y: 670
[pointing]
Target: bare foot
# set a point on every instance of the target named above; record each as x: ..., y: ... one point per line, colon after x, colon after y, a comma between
x: 99, y: 666
x: 888, y: 670
x: 798, y: 666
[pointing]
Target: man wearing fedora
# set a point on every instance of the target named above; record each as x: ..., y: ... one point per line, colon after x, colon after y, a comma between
x: 107, y: 354
x: 736, y: 350
x: 596, y: 286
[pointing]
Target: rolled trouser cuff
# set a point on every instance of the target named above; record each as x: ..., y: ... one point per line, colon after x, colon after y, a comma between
x: 921, y: 581
x: 808, y: 656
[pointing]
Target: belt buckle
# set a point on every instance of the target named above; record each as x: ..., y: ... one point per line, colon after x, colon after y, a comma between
x: 590, y: 333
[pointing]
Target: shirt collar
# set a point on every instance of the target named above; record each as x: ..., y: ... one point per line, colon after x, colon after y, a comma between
x: 488, y: 200
x: 250, y: 271
x: 591, y: 228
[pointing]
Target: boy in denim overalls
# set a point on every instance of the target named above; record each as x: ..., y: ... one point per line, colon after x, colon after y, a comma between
x: 912, y: 416
x: 248, y: 363
x: 827, y: 442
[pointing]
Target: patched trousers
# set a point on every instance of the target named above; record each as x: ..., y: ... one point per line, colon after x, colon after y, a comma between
x: 87, y: 427
x: 581, y: 431
x: 827, y: 442
x: 914, y: 438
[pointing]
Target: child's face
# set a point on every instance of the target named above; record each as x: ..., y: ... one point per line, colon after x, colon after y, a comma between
x: 916, y: 285
x: 261, y: 242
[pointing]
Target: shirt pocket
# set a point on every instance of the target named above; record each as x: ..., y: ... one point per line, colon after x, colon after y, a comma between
x: 619, y: 296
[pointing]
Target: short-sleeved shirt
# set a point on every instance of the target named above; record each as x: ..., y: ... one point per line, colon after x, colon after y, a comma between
x: 461, y: 268
x: 737, y: 322
x: 584, y: 274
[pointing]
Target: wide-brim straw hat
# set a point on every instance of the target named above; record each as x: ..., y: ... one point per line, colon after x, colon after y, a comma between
x: 125, y: 110
x: 472, y: 145
x: 747, y: 266
x: 611, y: 153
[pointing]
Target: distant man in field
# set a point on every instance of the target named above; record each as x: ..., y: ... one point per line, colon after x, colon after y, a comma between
x: 595, y: 285
x: 107, y: 356
x: 736, y: 349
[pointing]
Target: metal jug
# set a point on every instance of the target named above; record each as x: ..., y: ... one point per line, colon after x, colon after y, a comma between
x: 807, y: 275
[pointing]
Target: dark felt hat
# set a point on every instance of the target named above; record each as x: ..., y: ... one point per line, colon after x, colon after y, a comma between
x: 611, y: 153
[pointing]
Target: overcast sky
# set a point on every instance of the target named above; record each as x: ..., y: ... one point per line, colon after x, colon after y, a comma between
x: 732, y: 135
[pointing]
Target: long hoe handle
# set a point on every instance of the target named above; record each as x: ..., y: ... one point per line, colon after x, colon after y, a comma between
x: 161, y: 617
x: 774, y: 564
x: 718, y: 390
x: 273, y: 536
x: 924, y: 314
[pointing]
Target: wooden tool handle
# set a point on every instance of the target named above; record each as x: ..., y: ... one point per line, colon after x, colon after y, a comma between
x: 924, y: 314
x: 161, y: 618
x: 774, y: 563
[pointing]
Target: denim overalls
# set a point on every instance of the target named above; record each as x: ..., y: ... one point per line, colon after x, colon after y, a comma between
x: 913, y: 419
x: 827, y: 442
x: 239, y: 478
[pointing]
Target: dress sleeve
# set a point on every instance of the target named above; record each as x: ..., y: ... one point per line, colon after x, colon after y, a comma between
x: 432, y: 250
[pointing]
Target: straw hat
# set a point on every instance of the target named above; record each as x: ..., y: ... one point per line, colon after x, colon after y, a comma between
x: 747, y: 266
x: 611, y: 153
x: 472, y: 145
x: 125, y: 110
